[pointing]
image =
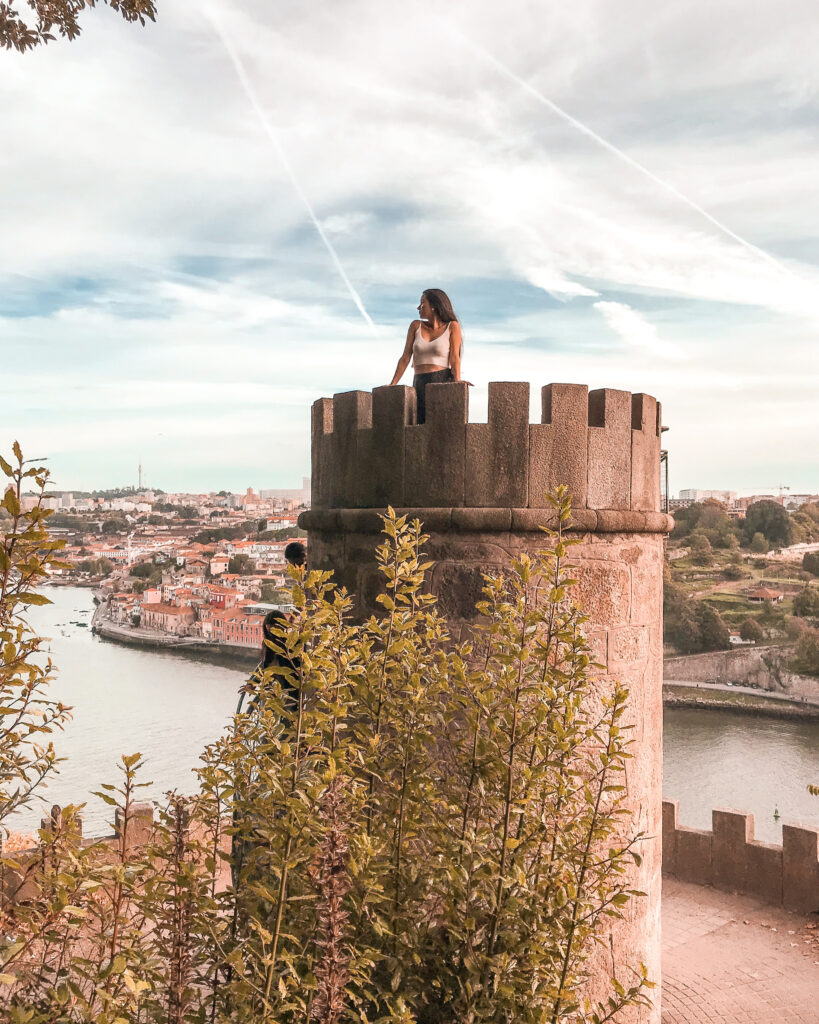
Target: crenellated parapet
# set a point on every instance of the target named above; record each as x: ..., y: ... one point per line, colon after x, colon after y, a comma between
x: 604, y: 445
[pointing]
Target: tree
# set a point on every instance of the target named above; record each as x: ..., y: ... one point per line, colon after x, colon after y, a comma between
x: 187, y: 512
x: 682, y: 631
x: 759, y: 545
x: 96, y: 566
x: 701, y: 549
x: 714, y: 633
x: 680, y: 627
x: 810, y: 562
x: 691, y: 626
x: 806, y: 653
x: 771, y: 520
x: 62, y: 16
x: 806, y: 603
x: 116, y: 525
x: 287, y: 533
x: 750, y: 629
x: 242, y: 565
x: 65, y: 520
x: 271, y: 594
x: 685, y: 520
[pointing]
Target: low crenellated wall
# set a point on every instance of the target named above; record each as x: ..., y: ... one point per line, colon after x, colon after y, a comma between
x: 728, y: 857
x: 19, y: 868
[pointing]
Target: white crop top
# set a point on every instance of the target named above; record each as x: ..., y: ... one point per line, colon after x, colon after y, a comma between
x: 430, y: 353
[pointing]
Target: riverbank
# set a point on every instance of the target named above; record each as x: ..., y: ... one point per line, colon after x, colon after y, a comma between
x: 742, y: 700
x: 132, y: 636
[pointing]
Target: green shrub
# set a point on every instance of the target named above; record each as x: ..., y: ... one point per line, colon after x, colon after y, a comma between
x: 806, y: 653
x: 810, y: 562
x: 758, y: 544
x: 430, y: 832
x: 806, y: 603
x: 750, y: 629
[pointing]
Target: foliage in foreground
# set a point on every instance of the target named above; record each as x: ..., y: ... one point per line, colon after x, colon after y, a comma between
x: 61, y: 16
x: 430, y: 833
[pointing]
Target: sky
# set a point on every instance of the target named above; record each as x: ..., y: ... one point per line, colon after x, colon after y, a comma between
x: 210, y: 222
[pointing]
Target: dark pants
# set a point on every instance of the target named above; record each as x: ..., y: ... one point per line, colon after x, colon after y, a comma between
x: 420, y: 381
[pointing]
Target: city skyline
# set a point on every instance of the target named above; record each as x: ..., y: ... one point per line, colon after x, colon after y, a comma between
x: 622, y: 197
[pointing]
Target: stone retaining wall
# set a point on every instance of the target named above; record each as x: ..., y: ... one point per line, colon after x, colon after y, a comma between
x: 749, y: 666
x: 728, y: 857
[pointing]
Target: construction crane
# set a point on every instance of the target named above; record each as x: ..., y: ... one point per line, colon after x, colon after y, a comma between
x: 781, y: 488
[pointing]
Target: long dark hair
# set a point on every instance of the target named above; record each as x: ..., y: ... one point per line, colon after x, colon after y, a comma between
x: 441, y: 306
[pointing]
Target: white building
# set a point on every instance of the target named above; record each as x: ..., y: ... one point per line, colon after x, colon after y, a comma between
x: 694, y: 494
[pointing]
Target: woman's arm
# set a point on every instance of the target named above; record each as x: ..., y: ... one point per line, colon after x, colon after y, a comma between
x: 406, y: 355
x: 455, y: 346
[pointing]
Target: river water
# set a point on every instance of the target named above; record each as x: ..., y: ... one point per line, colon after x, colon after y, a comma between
x: 168, y: 706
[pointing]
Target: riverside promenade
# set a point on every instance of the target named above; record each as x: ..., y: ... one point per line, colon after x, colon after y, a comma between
x: 733, y: 960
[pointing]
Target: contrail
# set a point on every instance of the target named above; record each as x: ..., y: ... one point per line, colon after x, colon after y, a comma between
x: 250, y: 92
x: 535, y: 94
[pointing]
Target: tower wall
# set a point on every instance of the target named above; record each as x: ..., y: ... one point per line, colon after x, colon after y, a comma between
x: 479, y: 489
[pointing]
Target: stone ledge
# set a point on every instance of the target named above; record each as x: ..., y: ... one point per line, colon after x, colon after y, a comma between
x: 488, y: 520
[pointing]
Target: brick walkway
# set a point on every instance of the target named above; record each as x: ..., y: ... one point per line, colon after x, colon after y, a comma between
x: 732, y: 960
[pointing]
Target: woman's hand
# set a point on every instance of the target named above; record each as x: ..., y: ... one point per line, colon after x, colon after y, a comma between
x: 406, y: 355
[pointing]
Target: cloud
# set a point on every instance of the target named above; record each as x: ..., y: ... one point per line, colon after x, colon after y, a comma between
x: 155, y: 243
x: 636, y: 331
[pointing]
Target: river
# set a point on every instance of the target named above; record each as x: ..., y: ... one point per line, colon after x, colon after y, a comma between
x: 167, y: 706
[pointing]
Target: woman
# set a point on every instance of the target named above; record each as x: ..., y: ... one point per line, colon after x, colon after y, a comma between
x: 434, y: 344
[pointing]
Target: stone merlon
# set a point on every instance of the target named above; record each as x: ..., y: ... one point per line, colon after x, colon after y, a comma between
x: 604, y: 445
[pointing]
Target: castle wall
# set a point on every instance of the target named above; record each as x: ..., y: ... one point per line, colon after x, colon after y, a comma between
x: 728, y: 857
x: 479, y: 490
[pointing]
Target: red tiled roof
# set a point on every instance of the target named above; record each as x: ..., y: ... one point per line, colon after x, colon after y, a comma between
x: 167, y: 609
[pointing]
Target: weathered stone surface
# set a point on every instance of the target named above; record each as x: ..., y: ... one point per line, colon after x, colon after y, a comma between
x: 359, y: 520
x: 645, y: 453
x: 352, y: 412
x: 459, y: 588
x: 394, y: 408
x: 603, y: 590
x: 671, y: 811
x: 800, y: 868
x: 763, y: 872
x: 497, y: 452
x: 431, y: 518
x: 609, y: 451
x: 558, y: 445
x: 732, y: 832
x: 496, y: 520
x: 140, y: 825
x: 435, y: 455
x: 320, y: 448
x: 319, y: 519
x: 532, y: 519
x: 694, y: 855
x: 628, y: 646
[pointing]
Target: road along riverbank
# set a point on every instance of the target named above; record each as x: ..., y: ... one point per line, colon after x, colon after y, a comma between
x: 740, y: 699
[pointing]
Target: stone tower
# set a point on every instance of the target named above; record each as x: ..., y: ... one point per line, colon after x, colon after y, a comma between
x: 479, y: 490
